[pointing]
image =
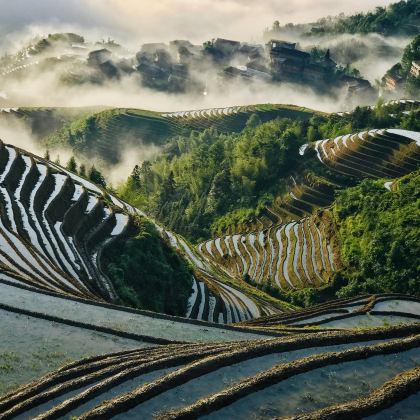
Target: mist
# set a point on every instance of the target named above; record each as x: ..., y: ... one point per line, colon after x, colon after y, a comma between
x: 131, y: 156
x: 128, y: 93
x: 133, y: 22
x: 137, y: 21
x: 15, y: 132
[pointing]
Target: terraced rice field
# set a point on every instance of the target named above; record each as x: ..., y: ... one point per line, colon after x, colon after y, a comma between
x: 388, y: 154
x: 364, y: 311
x: 31, y: 347
x: 291, y: 376
x: 41, y: 331
x: 54, y: 226
x: 212, y: 300
x: 401, y: 104
x: 233, y: 119
x: 288, y: 256
x: 371, y: 154
x: 126, y: 322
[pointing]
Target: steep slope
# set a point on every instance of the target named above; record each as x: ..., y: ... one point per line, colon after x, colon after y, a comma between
x: 373, y: 154
x: 305, y: 252
x: 234, y: 119
x: 58, y: 328
x: 289, y: 256
x: 41, y: 122
x: 55, y: 227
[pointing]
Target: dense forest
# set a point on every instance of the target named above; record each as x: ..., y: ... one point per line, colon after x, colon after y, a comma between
x: 380, y: 233
x: 208, y: 181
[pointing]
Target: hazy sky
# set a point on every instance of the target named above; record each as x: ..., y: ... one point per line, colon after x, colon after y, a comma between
x: 146, y: 20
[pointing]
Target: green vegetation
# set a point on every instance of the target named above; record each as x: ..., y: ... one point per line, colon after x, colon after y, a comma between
x: 401, y: 18
x: 206, y: 182
x: 105, y: 135
x: 380, y: 242
x: 42, y: 122
x: 401, y: 71
x: 379, y: 232
x: 398, y: 18
x: 147, y: 273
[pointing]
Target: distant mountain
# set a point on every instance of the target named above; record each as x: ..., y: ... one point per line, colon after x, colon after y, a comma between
x: 400, y: 18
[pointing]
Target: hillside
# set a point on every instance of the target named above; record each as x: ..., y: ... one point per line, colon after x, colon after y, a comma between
x: 400, y: 78
x: 108, y: 133
x: 64, y: 234
x: 222, y: 229
x: 399, y: 18
x: 79, y: 264
x: 242, y: 181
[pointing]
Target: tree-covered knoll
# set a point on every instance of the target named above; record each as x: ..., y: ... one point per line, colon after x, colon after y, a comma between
x: 147, y: 273
x: 206, y: 182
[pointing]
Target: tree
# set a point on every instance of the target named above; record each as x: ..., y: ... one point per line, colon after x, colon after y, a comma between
x: 82, y: 170
x: 253, y: 121
x: 411, y: 53
x: 146, y: 175
x: 134, y: 179
x: 96, y: 177
x: 312, y: 133
x: 169, y: 187
x: 72, y: 165
x: 328, y: 54
x: 220, y: 193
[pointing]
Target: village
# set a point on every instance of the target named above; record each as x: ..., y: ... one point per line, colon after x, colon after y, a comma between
x: 177, y: 66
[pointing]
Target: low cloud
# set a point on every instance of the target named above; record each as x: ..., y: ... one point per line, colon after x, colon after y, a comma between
x: 130, y: 156
x: 15, y: 132
x: 136, y: 21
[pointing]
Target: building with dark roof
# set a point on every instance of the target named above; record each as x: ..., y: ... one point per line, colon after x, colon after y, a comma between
x: 99, y: 57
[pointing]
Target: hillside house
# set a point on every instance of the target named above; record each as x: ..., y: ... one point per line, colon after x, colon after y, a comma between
x: 246, y: 73
x: 314, y: 73
x: 152, y: 47
x: 226, y: 46
x: 175, y: 45
x: 392, y: 82
x: 415, y: 68
x: 99, y: 57
x: 252, y: 51
x: 286, y: 61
